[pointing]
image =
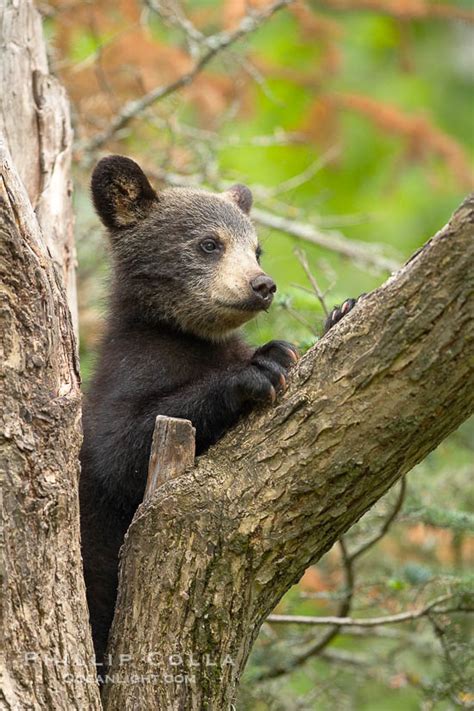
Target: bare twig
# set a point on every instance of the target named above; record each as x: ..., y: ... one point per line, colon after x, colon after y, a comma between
x: 214, y: 45
x: 386, y: 525
x: 339, y: 656
x: 322, y: 642
x: 172, y: 12
x: 301, y: 256
x: 259, y: 79
x: 364, y: 254
x: 364, y: 622
x: 279, y: 137
x: 367, y: 255
x: 348, y: 560
x: 298, y: 317
x: 301, y: 178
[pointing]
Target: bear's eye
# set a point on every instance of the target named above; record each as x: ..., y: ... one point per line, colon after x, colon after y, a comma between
x: 258, y: 253
x: 210, y: 245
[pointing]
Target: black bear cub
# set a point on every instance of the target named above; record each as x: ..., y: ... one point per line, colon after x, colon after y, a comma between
x: 186, y: 275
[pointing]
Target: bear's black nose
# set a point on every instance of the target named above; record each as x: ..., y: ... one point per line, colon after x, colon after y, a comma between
x: 264, y: 287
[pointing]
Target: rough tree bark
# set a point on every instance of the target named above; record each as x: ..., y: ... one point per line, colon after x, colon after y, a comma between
x: 213, y: 549
x: 210, y: 554
x: 35, y: 123
x: 45, y: 628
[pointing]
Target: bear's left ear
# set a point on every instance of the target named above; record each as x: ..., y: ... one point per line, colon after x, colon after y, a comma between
x: 121, y: 192
x: 241, y: 195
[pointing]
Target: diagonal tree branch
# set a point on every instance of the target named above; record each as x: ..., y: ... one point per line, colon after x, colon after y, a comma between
x: 231, y: 535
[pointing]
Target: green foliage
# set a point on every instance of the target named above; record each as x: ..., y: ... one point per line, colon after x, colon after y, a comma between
x: 395, y: 97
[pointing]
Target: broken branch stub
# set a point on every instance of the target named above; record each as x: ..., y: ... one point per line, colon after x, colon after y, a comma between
x: 172, y: 451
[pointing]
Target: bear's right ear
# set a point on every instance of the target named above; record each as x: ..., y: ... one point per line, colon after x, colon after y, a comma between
x: 121, y: 192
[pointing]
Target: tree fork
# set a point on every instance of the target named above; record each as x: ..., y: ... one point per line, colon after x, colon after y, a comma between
x: 213, y: 550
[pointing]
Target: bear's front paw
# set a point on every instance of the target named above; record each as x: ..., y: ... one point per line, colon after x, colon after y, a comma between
x: 252, y: 386
x: 266, y: 373
x: 339, y: 312
x: 271, y: 362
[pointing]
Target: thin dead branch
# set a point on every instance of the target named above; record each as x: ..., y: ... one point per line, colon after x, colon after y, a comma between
x: 317, y: 291
x: 430, y: 608
x: 214, y: 45
x: 367, y: 255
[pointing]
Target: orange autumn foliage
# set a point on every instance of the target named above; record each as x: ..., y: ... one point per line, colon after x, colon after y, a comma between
x: 129, y: 62
x: 422, y: 137
x: 404, y: 9
x: 234, y: 10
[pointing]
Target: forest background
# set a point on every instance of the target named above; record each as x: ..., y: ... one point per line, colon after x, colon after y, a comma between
x: 353, y: 122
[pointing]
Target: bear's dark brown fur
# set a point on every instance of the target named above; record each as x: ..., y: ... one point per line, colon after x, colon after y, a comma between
x: 186, y: 275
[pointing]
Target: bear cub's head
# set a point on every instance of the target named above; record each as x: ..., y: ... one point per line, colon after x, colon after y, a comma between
x: 182, y: 256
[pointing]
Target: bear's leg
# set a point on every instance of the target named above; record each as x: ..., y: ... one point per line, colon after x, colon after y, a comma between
x: 215, y: 403
x: 102, y: 531
x: 101, y: 598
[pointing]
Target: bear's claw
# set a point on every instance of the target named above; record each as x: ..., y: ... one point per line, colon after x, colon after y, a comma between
x: 338, y: 312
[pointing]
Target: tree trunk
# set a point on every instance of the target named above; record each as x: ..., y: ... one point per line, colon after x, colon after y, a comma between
x: 35, y: 124
x: 210, y: 554
x: 47, y: 643
x: 214, y: 548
